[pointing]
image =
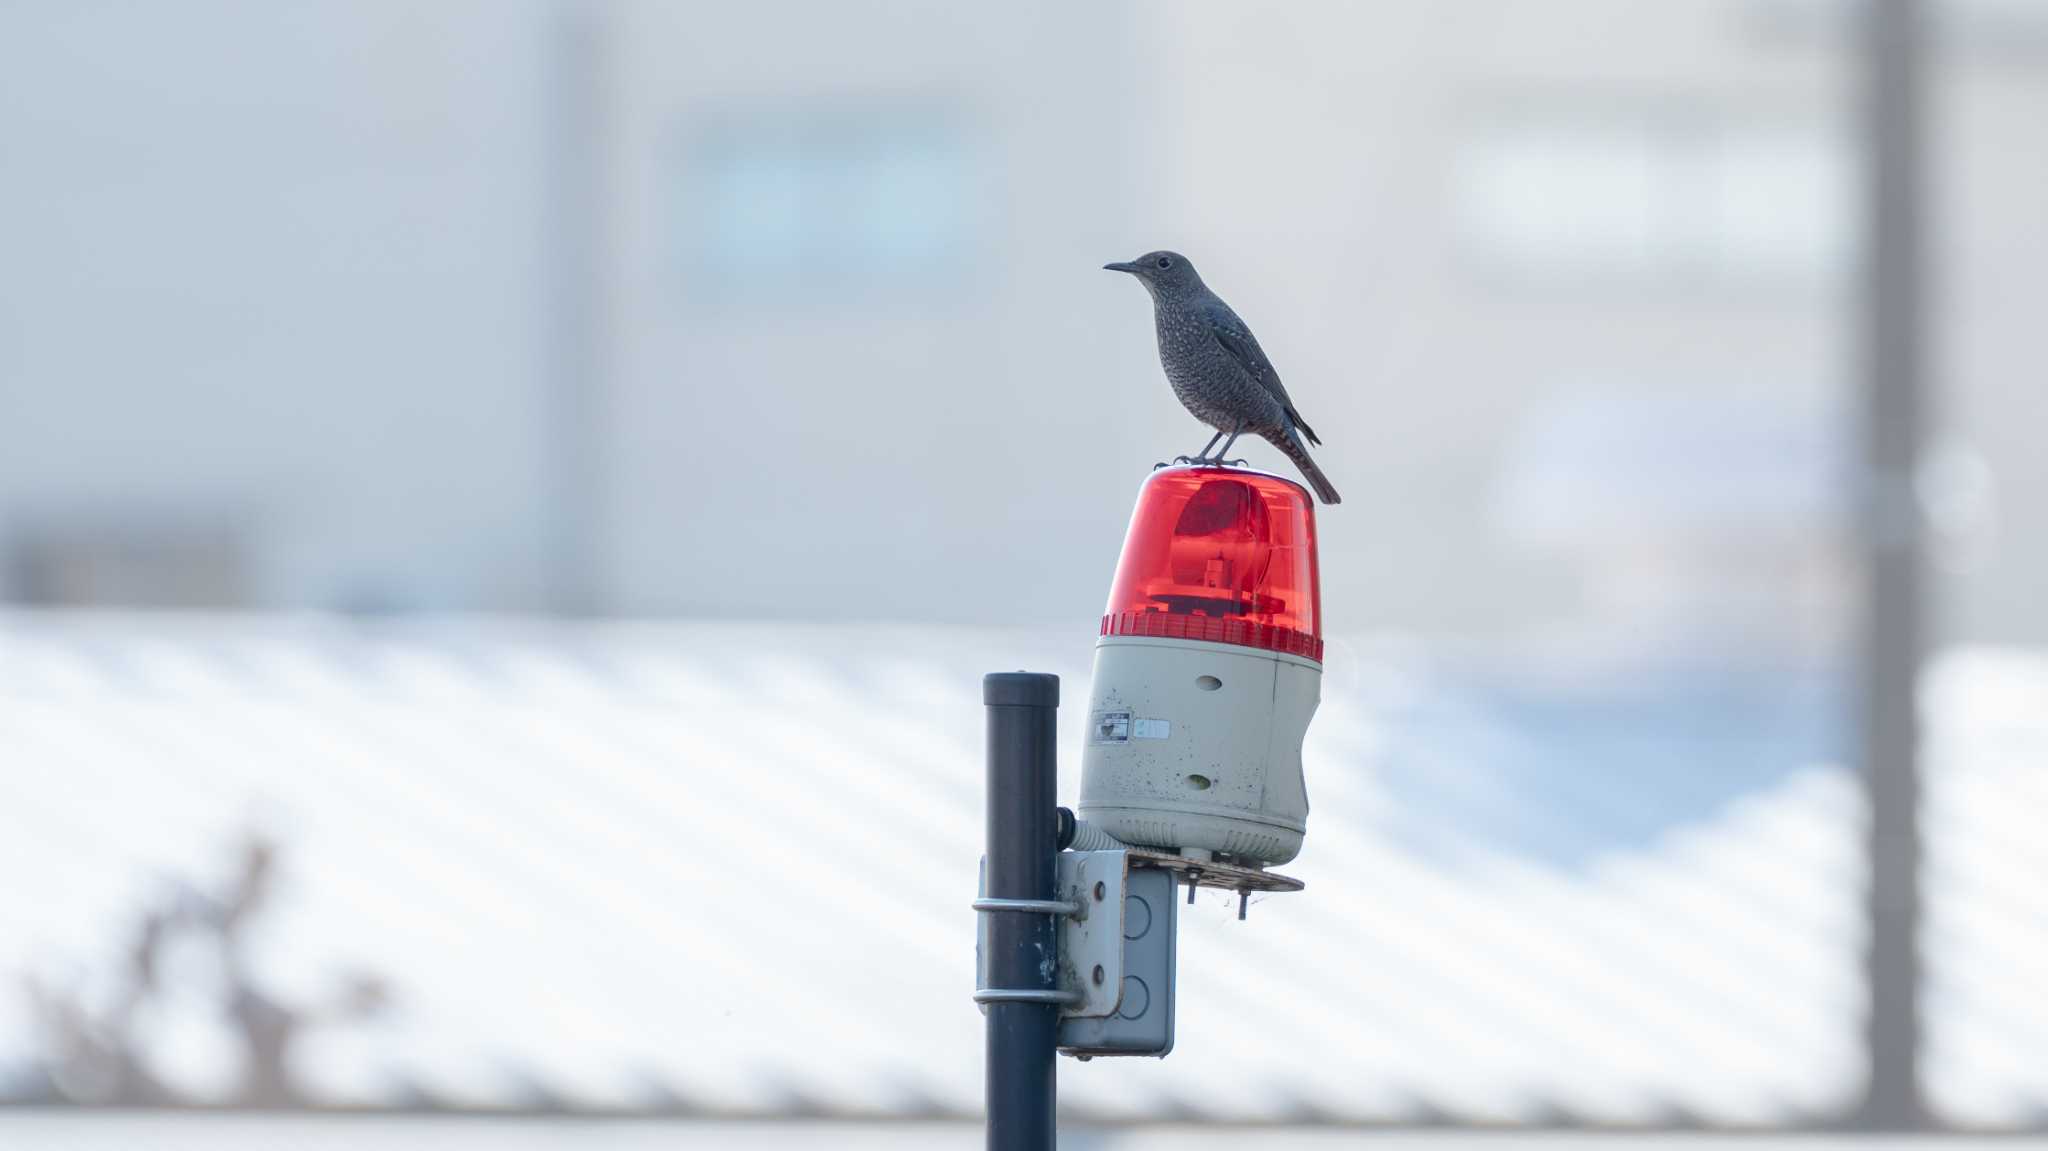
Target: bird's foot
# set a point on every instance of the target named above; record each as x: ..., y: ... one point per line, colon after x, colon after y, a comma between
x: 1197, y: 461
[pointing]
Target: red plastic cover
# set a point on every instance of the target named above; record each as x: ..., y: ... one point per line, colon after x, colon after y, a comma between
x: 1220, y: 555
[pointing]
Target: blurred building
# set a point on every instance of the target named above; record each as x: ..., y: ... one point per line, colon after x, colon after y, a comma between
x: 601, y: 306
x: 858, y: 355
x: 784, y: 315
x: 596, y: 306
x: 276, y: 304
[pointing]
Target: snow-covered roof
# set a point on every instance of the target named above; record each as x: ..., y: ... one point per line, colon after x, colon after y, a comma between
x: 727, y: 866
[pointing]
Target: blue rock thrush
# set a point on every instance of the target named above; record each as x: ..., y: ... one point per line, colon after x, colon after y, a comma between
x: 1217, y: 368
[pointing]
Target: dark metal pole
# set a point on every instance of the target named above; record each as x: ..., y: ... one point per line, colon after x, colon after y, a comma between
x: 1893, y: 58
x: 1023, y: 708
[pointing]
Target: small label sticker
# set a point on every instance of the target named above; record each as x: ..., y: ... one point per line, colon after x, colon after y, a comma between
x: 1110, y: 727
x: 1151, y: 729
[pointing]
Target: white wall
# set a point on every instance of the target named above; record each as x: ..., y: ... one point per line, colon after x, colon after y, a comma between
x: 281, y: 263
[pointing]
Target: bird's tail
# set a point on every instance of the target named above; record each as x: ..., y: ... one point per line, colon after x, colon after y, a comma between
x: 1290, y: 445
x: 1301, y: 425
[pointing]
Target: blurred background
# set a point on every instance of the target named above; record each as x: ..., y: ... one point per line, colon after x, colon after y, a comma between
x: 504, y: 506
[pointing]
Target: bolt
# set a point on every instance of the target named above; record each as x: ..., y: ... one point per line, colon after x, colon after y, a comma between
x: 1244, y: 899
x: 1098, y: 975
x: 1100, y: 891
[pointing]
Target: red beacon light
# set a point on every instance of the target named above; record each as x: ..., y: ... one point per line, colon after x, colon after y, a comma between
x: 1220, y: 556
x: 1208, y: 669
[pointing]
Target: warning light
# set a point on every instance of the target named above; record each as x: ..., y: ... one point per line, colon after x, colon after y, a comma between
x: 1223, y: 556
x: 1208, y: 670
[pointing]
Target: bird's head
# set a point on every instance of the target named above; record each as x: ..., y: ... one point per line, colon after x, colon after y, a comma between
x: 1164, y: 274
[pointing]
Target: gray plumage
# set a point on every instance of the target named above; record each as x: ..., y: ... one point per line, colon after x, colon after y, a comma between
x: 1217, y: 368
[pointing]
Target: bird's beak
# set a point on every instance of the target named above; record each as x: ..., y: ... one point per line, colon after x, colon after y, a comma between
x: 1131, y: 268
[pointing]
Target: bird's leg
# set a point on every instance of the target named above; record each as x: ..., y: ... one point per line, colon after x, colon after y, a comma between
x: 1201, y: 457
x: 1234, y: 433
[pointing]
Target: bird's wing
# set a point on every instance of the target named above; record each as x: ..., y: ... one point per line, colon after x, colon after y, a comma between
x: 1237, y: 339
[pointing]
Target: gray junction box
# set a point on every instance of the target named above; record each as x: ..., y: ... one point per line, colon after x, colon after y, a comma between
x: 1143, y: 1021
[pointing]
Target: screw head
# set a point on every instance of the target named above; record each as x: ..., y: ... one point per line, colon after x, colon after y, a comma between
x: 1098, y: 975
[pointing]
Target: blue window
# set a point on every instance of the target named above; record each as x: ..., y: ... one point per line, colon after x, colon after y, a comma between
x: 816, y: 201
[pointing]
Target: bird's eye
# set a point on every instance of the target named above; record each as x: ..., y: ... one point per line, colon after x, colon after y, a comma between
x: 1164, y: 262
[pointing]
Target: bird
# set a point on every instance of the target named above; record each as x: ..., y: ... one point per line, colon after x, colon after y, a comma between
x: 1217, y: 369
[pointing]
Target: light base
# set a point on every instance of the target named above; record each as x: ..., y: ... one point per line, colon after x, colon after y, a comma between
x: 1198, y: 745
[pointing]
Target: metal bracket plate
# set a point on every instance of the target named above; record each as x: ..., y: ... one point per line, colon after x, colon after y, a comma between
x: 1092, y: 940
x: 1088, y: 906
x: 1214, y: 873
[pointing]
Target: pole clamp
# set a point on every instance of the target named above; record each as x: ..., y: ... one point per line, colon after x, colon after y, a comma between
x: 1026, y: 995
x: 1038, y: 906
x: 1088, y: 925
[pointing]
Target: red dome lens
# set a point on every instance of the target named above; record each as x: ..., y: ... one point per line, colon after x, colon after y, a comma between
x: 1223, y: 556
